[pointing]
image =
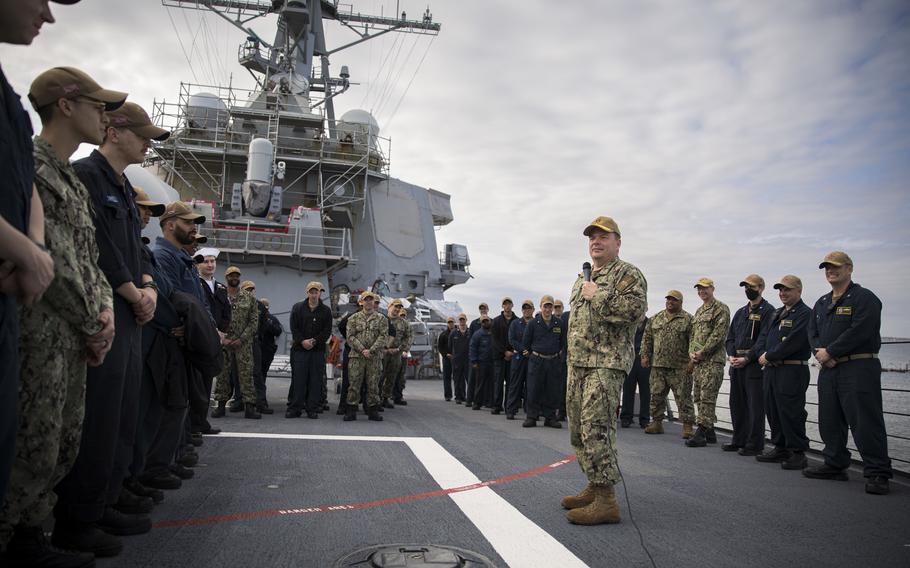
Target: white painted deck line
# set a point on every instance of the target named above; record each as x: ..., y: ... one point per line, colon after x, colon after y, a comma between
x: 517, y: 539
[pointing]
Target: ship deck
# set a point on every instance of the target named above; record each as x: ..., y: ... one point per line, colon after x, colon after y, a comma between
x: 279, y: 492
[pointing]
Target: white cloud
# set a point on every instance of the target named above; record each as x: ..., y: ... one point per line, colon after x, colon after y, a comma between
x: 725, y: 138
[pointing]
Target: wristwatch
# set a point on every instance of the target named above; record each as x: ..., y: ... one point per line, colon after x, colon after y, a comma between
x: 151, y: 284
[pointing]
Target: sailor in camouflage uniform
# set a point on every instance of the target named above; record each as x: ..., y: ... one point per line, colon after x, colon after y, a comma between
x: 706, y: 360
x: 367, y: 334
x: 391, y: 359
x: 238, y: 347
x: 72, y: 324
x: 665, y: 349
x: 405, y: 335
x: 605, y: 313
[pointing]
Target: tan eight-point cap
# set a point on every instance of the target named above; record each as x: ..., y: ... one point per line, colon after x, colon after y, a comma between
x: 753, y: 280
x: 142, y: 198
x: 232, y: 270
x: 547, y: 299
x: 314, y: 284
x: 181, y: 210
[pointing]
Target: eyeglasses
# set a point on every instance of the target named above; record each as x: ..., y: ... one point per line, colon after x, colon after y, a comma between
x: 100, y: 106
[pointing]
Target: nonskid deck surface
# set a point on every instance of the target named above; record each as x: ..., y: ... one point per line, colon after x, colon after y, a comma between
x: 333, y: 487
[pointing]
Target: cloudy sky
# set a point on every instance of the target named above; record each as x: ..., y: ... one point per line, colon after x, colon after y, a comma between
x: 724, y: 137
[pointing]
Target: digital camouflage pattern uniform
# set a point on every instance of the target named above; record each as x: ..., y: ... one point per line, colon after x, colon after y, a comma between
x: 709, y: 330
x: 245, y: 327
x: 666, y: 344
x: 366, y: 332
x: 600, y: 352
x: 393, y: 365
x: 52, y: 346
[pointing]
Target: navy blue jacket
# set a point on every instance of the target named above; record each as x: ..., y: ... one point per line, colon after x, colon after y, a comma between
x: 481, y: 347
x: 117, y: 223
x: 500, y: 332
x: 178, y: 268
x: 786, y: 338
x: 746, y: 327
x: 517, y: 336
x: 459, y: 346
x: 848, y: 326
x: 544, y: 338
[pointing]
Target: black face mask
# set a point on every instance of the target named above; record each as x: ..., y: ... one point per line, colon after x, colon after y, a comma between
x: 752, y: 294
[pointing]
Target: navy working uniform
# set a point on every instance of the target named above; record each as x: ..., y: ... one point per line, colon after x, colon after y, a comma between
x: 850, y: 394
x: 473, y: 328
x: 502, y: 367
x: 18, y: 166
x: 308, y: 365
x: 747, y: 411
x: 459, y: 343
x: 481, y: 355
x: 517, y: 381
x: 544, y: 341
x: 785, y: 345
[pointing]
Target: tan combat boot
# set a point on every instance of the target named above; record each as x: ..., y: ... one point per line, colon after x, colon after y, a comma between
x: 603, y: 509
x: 575, y: 501
x: 655, y: 427
x: 687, y: 431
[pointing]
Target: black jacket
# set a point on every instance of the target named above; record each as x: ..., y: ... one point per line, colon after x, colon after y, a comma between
x: 269, y: 331
x: 310, y: 324
x: 500, y: 333
x: 442, y: 342
x: 219, y: 304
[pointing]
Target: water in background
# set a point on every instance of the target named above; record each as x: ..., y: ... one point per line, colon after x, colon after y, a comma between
x: 895, y: 399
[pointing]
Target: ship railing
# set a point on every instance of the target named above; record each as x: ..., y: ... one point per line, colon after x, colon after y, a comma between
x: 219, y: 132
x: 329, y: 243
x: 892, y: 417
x: 449, y: 264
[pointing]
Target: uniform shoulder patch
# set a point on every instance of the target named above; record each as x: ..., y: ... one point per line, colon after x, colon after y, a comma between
x: 625, y: 283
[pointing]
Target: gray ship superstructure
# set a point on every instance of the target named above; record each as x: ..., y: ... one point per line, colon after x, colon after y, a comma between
x: 290, y: 192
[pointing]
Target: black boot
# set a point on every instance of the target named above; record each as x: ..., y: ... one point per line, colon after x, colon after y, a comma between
x: 698, y: 438
x: 350, y: 413
x: 710, y: 435
x: 218, y: 412
x: 373, y: 414
x: 249, y: 411
x: 132, y: 504
x: 85, y: 537
x: 29, y: 547
x: 797, y: 460
x: 137, y: 488
x: 263, y: 408
x: 342, y: 410
x: 236, y: 406
x: 116, y: 523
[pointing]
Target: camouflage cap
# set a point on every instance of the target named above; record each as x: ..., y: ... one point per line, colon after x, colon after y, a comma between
x: 201, y: 239
x: 675, y: 294
x: 314, y: 284
x: 527, y: 304
x: 547, y: 299
x: 142, y: 198
x: 836, y: 258
x: 558, y: 303
x: 232, y: 270
x: 247, y: 285
x: 181, y: 210
x: 70, y: 83
x: 753, y: 280
x: 134, y: 118
x: 605, y: 224
x: 704, y: 283
x: 789, y: 281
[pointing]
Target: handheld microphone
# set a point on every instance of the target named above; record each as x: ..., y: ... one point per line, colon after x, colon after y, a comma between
x: 586, y: 270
